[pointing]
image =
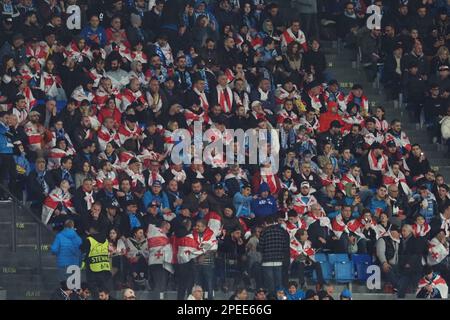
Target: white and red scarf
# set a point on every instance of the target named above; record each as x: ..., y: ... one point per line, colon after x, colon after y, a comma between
x: 377, y: 164
x: 420, y: 230
x: 324, y: 221
x: 40, y: 52
x: 203, y: 99
x: 225, y: 98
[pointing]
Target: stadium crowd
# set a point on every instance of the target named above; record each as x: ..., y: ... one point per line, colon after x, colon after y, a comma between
x: 92, y: 94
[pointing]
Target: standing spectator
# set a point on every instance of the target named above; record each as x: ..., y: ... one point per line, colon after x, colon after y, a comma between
x: 66, y: 247
x: 387, y: 250
x: 8, y: 170
x: 274, y: 247
x: 410, y: 260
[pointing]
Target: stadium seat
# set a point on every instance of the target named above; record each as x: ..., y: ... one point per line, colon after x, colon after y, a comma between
x: 320, y: 257
x: 360, y: 263
x: 343, y: 272
x: 326, y: 271
x: 337, y: 257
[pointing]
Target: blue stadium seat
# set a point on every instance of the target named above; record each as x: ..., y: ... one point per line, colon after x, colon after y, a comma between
x: 360, y: 263
x: 337, y: 257
x: 320, y: 257
x: 343, y: 272
x: 326, y: 271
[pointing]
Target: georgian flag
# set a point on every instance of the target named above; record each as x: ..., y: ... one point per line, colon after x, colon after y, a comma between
x: 106, y: 136
x: 302, y: 204
x: 186, y: 249
x: 214, y: 222
x: 208, y: 241
x: 159, y: 248
x: 436, y: 283
x: 436, y: 252
x: 357, y: 226
x: 401, y: 141
x: 56, y: 197
x: 34, y: 136
x: 126, y: 133
x: 292, y: 228
x: 297, y: 249
x: 55, y: 156
x: 339, y: 227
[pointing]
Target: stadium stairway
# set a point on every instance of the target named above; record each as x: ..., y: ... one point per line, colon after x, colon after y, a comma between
x: 347, y: 73
x: 19, y: 266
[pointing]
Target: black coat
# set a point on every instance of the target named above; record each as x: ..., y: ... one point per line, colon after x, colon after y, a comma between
x: 35, y: 190
x: 410, y: 253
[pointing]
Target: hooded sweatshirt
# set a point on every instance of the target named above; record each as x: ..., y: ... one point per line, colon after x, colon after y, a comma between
x: 263, y: 207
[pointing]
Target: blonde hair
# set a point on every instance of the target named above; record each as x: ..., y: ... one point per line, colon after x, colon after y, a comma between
x: 442, y: 50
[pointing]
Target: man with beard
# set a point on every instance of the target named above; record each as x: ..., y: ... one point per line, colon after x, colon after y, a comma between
x: 332, y: 136
x: 374, y: 165
x: 354, y: 140
x: 196, y: 196
x: 442, y: 198
x: 417, y: 163
x: 182, y: 75
x: 118, y: 76
x: 307, y: 175
x: 82, y: 133
x: 371, y: 134
x: 400, y: 138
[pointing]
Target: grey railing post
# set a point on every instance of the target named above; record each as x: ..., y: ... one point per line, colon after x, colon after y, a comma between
x: 13, y: 226
x: 39, y: 236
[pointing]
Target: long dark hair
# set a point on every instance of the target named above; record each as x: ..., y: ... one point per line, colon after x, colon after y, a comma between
x: 289, y: 52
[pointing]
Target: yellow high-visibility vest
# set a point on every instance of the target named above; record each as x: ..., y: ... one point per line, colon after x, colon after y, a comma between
x: 98, y: 256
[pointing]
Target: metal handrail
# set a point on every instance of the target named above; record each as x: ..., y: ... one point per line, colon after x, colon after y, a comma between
x: 18, y: 205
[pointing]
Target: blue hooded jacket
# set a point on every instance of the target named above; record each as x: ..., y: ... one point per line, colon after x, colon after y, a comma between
x: 263, y: 207
x: 66, y: 247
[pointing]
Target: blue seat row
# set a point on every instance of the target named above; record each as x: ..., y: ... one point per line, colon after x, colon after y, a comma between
x: 342, y: 267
